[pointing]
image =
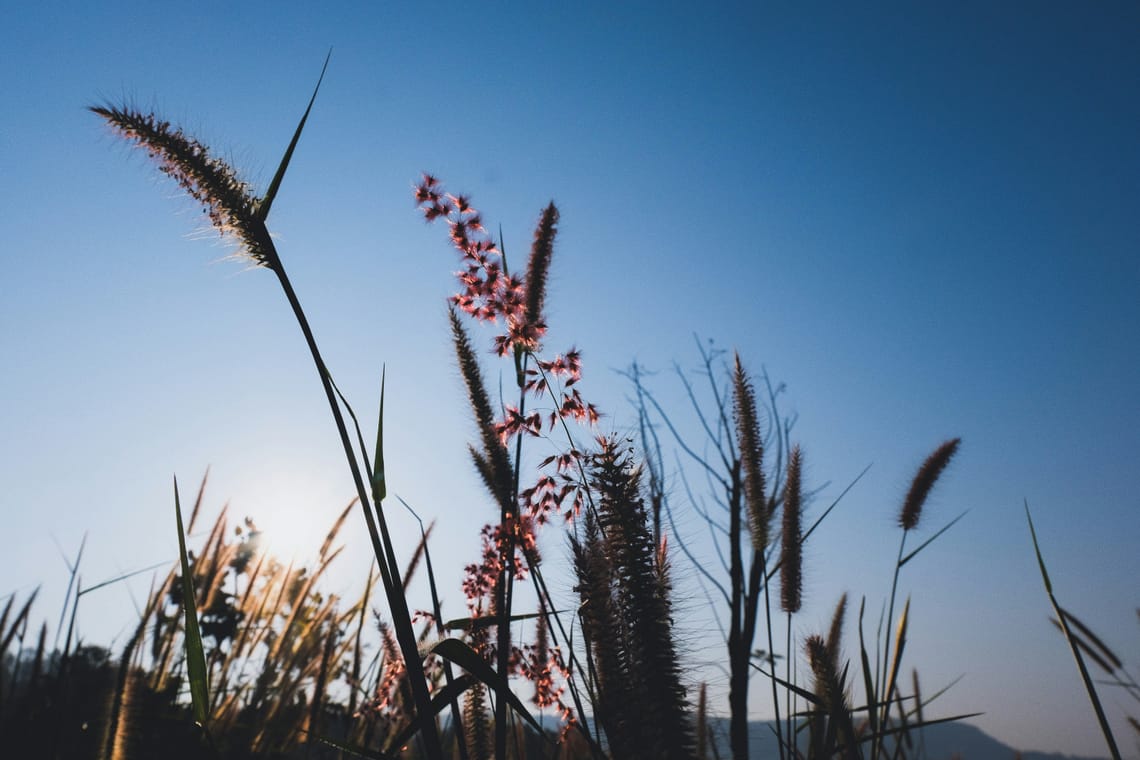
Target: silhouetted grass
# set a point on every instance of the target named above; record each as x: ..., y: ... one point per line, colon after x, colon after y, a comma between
x: 237, y: 655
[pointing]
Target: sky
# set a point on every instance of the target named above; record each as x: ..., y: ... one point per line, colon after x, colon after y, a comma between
x: 922, y: 220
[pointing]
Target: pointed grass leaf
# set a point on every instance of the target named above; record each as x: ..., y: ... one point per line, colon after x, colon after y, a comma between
x: 379, y: 489
x: 900, y: 643
x: 441, y: 699
x: 868, y: 678
x: 799, y: 690
x: 262, y: 210
x: 465, y: 657
x: 930, y: 540
x: 1086, y: 648
x: 1037, y: 549
x: 355, y: 422
x: 775, y: 566
x: 19, y: 623
x: 486, y: 621
x: 1074, y: 646
x: 909, y: 726
x: 195, y: 654
x: 1094, y: 640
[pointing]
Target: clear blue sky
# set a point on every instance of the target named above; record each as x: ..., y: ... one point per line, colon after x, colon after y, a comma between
x: 923, y: 220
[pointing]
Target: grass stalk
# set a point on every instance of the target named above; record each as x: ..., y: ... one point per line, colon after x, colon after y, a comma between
x: 1071, y: 638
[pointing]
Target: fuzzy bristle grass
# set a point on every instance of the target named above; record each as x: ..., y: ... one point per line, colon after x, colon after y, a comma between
x: 233, y: 209
x: 751, y: 446
x: 227, y: 200
x: 831, y: 691
x: 791, y: 543
x: 834, y: 639
x: 493, y: 462
x: 924, y: 481
x: 538, y: 265
x: 274, y: 650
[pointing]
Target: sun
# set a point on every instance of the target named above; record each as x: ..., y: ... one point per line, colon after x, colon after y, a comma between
x: 292, y: 515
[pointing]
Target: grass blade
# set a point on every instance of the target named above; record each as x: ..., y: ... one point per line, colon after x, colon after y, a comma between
x: 868, y: 679
x: 465, y: 657
x: 896, y: 662
x: 930, y: 540
x: 486, y: 621
x: 441, y: 699
x: 195, y: 654
x: 1069, y: 637
x: 379, y: 489
x: 262, y: 210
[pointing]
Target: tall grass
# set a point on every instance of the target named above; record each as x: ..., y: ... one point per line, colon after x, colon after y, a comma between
x: 235, y: 211
x: 267, y: 665
x: 1083, y: 643
x: 756, y: 475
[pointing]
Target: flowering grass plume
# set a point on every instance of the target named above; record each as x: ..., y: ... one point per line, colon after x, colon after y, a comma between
x: 751, y: 455
x: 626, y: 616
x: 791, y: 565
x: 488, y: 291
x: 228, y: 201
x: 835, y: 632
x: 924, y: 481
x: 831, y: 691
x: 534, y: 323
x: 493, y: 462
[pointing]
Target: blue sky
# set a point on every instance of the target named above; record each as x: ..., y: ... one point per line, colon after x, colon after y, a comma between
x: 922, y: 220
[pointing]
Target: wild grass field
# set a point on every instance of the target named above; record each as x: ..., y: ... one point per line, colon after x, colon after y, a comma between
x: 238, y: 654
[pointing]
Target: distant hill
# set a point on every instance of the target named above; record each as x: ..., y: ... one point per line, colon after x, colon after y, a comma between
x: 943, y: 742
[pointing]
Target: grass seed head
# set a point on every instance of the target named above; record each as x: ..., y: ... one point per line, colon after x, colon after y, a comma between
x: 751, y: 446
x: 228, y: 201
x: 924, y: 481
x: 791, y: 565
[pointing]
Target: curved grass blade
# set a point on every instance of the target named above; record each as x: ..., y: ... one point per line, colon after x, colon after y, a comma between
x: 262, y: 211
x: 486, y: 621
x: 1069, y: 637
x: 73, y: 570
x: 195, y: 654
x: 19, y: 623
x: 810, y: 697
x: 900, y: 643
x: 443, y: 698
x: 775, y: 566
x: 868, y: 679
x: 437, y: 609
x: 465, y: 657
x: 930, y: 540
x: 379, y: 488
x: 907, y: 727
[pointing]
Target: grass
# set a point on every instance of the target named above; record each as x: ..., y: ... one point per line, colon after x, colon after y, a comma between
x: 237, y: 655
x: 753, y: 480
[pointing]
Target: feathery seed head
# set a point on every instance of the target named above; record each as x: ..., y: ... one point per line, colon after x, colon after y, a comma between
x: 751, y: 447
x: 495, y: 460
x: 835, y: 633
x: 791, y: 550
x: 537, y: 268
x: 228, y: 201
x: 924, y: 481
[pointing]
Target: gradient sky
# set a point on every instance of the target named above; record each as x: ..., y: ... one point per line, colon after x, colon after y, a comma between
x: 923, y: 220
